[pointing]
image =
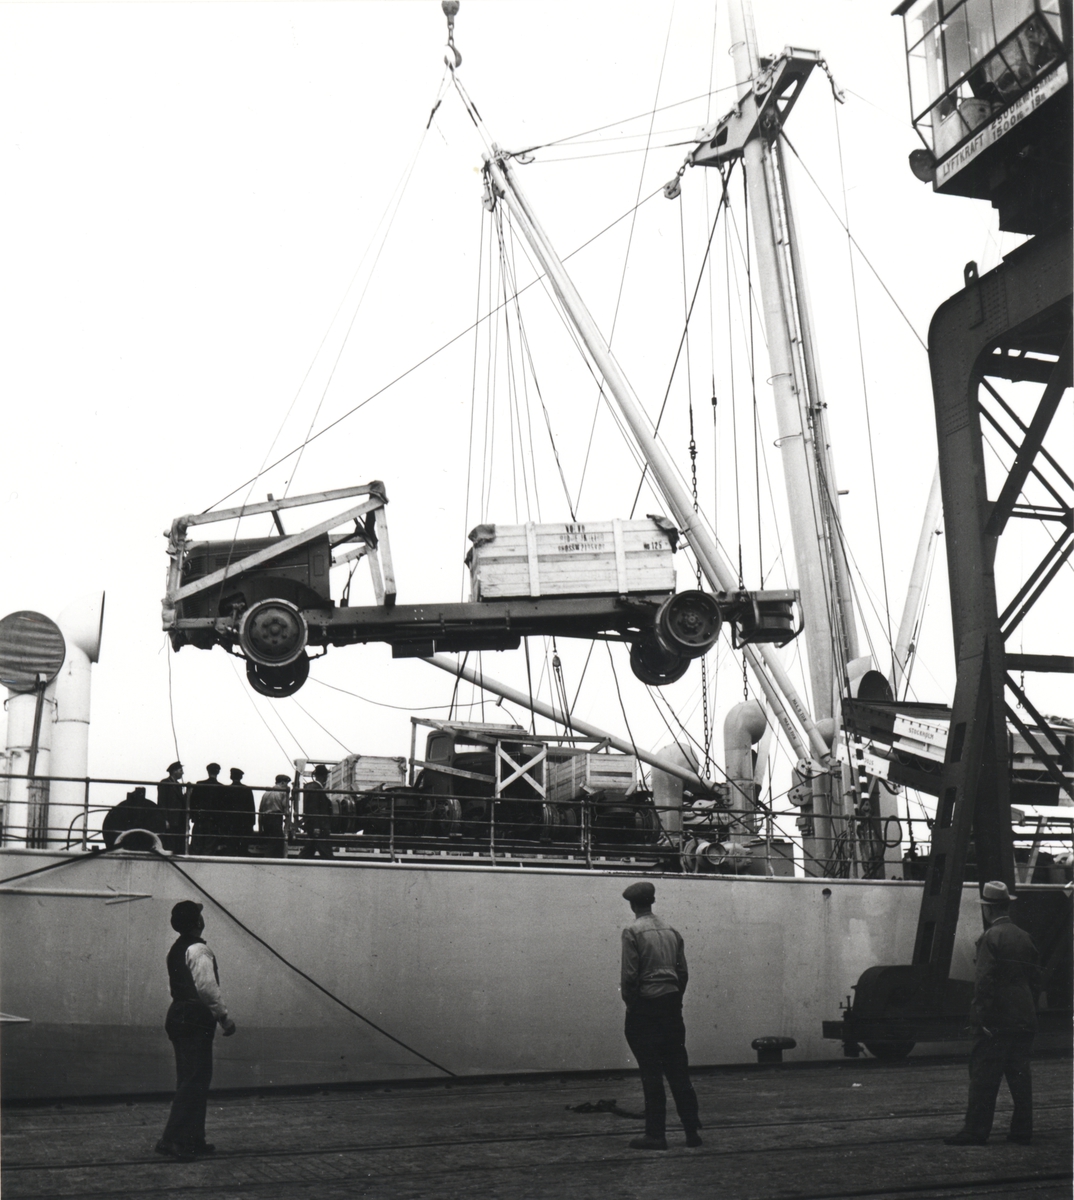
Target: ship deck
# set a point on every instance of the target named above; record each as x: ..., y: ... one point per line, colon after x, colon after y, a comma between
x: 856, y: 1128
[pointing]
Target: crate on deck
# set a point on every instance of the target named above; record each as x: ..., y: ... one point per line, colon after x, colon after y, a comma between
x: 366, y: 773
x: 574, y: 559
x: 584, y: 774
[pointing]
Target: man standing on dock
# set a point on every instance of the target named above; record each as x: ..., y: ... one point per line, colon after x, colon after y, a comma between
x: 653, y: 983
x: 1004, y: 1019
x: 195, y: 1010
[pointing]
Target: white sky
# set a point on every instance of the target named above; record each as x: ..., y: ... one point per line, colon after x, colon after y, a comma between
x: 190, y: 190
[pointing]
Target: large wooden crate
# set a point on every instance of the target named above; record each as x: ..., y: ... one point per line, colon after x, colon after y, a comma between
x: 584, y: 774
x: 366, y: 773
x: 597, y: 557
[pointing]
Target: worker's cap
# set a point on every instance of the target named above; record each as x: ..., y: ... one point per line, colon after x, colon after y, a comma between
x: 640, y: 893
x: 136, y: 794
x: 175, y: 766
x: 283, y: 778
x: 185, y: 915
x: 237, y: 772
x: 320, y: 771
x: 996, y: 892
x: 213, y: 768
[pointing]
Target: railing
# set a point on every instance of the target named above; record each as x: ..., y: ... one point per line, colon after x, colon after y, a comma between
x: 603, y: 831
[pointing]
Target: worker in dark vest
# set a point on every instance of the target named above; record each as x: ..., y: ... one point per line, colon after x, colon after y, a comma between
x: 172, y: 802
x: 1003, y: 1017
x: 196, y: 1009
x: 237, y: 821
x: 205, y: 806
x: 137, y: 811
x: 317, y: 816
x: 653, y: 983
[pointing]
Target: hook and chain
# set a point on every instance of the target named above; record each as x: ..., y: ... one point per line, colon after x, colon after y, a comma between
x: 451, y: 8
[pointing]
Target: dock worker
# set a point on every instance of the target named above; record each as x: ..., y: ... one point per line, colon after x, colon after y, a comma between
x: 172, y: 802
x: 654, y: 981
x: 135, y: 811
x: 1003, y: 1017
x: 271, y: 816
x: 317, y: 815
x: 237, y: 820
x: 205, y: 812
x: 195, y: 1011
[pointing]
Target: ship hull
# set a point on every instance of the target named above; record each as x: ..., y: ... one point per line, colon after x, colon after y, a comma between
x: 475, y: 969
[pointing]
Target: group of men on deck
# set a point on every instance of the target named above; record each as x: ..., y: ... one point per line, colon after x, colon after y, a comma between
x: 221, y: 817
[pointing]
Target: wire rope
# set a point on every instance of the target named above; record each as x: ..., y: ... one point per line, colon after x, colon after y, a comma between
x: 298, y: 970
x: 419, y: 364
x: 864, y: 380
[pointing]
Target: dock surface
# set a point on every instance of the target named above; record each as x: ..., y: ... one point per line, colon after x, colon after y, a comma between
x: 858, y: 1128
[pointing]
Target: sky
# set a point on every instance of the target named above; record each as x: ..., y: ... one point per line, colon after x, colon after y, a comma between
x: 228, y: 226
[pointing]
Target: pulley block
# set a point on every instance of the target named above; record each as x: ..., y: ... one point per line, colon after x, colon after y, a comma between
x: 278, y: 682
x: 273, y: 633
x: 653, y: 663
x: 688, y: 623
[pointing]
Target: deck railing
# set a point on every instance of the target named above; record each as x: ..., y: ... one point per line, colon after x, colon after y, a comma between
x: 604, y: 831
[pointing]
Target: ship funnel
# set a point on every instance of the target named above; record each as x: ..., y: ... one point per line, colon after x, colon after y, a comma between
x: 743, y: 728
x: 82, y: 623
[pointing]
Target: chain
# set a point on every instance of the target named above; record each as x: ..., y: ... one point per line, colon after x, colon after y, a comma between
x: 706, y: 726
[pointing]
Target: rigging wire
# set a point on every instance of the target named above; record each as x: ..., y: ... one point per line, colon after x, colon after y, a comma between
x: 473, y: 391
x: 626, y: 259
x: 423, y: 361
x: 686, y: 328
x: 864, y: 381
x: 320, y: 726
x: 383, y: 703
x: 297, y: 970
x: 171, y: 698
x: 854, y: 242
x: 249, y: 696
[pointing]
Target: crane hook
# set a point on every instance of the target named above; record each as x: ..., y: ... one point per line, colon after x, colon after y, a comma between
x: 451, y: 7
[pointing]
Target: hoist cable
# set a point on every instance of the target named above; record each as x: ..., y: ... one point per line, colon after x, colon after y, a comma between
x: 864, y: 382
x: 320, y: 726
x: 685, y: 330
x: 420, y: 363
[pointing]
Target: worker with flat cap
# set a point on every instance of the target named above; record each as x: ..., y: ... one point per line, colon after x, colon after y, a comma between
x: 653, y: 983
x: 196, y: 1009
x: 1003, y: 1017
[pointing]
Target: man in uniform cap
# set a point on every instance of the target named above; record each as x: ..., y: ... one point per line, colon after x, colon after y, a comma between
x: 205, y: 812
x: 317, y: 815
x: 1004, y: 1019
x: 195, y: 1011
x: 653, y: 982
x: 172, y: 802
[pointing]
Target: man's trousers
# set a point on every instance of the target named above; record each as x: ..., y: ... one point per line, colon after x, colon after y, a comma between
x: 657, y: 1038
x: 1003, y: 1056
x: 193, y: 1074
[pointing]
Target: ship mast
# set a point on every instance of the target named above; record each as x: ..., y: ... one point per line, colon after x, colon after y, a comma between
x: 773, y: 680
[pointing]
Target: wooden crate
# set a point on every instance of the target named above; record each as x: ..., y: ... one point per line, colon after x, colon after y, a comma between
x: 366, y: 773
x: 583, y: 774
x: 597, y: 557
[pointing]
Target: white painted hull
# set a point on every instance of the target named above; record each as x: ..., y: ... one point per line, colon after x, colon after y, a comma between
x: 483, y: 970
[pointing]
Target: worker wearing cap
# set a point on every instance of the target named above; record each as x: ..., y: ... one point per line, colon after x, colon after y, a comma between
x: 172, y: 802
x: 271, y: 814
x: 653, y: 983
x: 196, y: 1009
x: 1004, y: 1019
x: 317, y: 815
x: 205, y: 811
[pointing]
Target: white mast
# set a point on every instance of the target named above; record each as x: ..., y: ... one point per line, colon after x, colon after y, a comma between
x: 831, y: 640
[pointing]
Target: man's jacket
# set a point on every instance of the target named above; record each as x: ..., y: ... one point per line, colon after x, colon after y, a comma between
x: 1008, y: 980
